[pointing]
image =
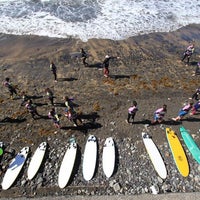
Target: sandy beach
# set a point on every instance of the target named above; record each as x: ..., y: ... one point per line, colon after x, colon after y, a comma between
x: 149, y: 71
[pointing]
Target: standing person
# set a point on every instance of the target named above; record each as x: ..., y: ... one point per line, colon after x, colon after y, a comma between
x: 106, y: 63
x: 50, y: 96
x: 54, y: 117
x: 84, y: 57
x: 53, y: 68
x: 196, y: 94
x: 188, y: 53
x: 159, y: 114
x: 31, y: 107
x: 7, y: 83
x: 183, y: 111
x: 131, y: 112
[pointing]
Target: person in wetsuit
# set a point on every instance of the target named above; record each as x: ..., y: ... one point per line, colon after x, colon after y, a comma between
x: 106, y: 64
x: 84, y: 57
x: 188, y: 53
x: 10, y: 87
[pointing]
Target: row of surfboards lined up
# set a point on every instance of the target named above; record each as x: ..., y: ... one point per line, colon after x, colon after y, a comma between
x: 67, y: 164
x: 177, y: 150
x: 108, y: 158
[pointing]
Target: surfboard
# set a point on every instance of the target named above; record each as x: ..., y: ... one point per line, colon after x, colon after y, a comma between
x: 14, y: 168
x: 36, y: 160
x: 154, y: 155
x: 1, y: 148
x: 178, y: 152
x: 108, y: 157
x: 191, y: 144
x: 67, y: 164
x: 90, y: 158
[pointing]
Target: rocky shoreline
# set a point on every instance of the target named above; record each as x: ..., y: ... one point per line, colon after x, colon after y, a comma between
x: 149, y: 71
x: 133, y: 175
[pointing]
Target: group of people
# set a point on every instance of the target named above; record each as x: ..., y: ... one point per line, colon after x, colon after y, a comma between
x: 158, y: 116
x: 84, y: 56
x: 31, y: 107
x: 72, y: 115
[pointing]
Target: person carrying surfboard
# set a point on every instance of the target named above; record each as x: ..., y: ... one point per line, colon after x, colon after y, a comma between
x: 84, y: 57
x: 106, y: 64
x: 188, y: 53
x: 131, y: 112
x: 53, y: 68
x: 11, y: 88
x: 183, y: 111
x: 54, y: 117
x: 159, y: 114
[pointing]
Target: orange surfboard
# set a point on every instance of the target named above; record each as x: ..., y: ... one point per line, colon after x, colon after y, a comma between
x: 177, y: 152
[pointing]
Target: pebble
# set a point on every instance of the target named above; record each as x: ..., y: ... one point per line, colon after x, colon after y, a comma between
x: 134, y: 173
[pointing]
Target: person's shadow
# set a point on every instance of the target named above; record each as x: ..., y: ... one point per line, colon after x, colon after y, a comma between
x: 119, y: 76
x: 70, y: 79
x: 90, y: 117
x: 12, y: 120
x: 97, y: 65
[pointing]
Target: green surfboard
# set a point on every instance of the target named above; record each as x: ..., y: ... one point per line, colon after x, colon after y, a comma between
x: 191, y: 144
x: 1, y: 151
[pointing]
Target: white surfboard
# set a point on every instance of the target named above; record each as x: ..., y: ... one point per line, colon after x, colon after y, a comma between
x: 108, y: 157
x: 155, y: 156
x: 67, y: 164
x: 90, y: 158
x: 14, y: 168
x: 36, y: 160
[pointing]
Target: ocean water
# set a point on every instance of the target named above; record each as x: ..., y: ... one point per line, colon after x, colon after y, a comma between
x: 85, y: 19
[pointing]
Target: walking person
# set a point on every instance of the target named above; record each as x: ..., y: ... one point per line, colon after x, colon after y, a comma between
x: 73, y: 116
x: 159, y: 115
x: 31, y: 107
x: 131, y: 112
x: 54, y: 117
x: 195, y: 108
x: 24, y: 97
x: 53, y: 68
x: 8, y: 84
x: 106, y: 64
x: 50, y: 96
x: 68, y: 103
x: 84, y: 57
x: 183, y: 111
x: 188, y: 53
x: 195, y: 96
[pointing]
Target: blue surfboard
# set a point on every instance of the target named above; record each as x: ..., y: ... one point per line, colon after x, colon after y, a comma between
x: 191, y: 144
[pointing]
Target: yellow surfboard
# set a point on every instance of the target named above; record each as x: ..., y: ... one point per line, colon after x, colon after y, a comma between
x: 177, y: 152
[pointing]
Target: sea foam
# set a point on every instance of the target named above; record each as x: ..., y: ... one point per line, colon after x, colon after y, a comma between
x: 85, y: 19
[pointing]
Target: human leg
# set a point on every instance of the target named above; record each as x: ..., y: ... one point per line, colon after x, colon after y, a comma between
x: 106, y: 72
x: 55, y: 76
x: 128, y: 118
